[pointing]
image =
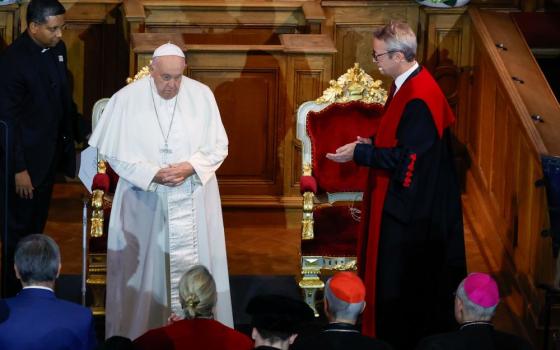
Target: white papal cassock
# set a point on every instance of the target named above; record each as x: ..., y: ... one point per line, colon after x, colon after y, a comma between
x: 157, y: 232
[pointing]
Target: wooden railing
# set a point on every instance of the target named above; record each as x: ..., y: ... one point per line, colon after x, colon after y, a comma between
x: 505, y: 142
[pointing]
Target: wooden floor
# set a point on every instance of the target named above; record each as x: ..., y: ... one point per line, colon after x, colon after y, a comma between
x: 259, y: 243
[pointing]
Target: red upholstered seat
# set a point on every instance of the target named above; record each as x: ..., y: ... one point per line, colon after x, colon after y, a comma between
x: 336, y: 227
x: 336, y: 232
x: 332, y: 127
x: 332, y: 192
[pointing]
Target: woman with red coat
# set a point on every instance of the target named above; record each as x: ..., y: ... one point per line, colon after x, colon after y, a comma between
x: 198, y: 330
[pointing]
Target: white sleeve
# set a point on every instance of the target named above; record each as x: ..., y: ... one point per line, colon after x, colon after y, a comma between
x: 139, y: 174
x: 208, y: 158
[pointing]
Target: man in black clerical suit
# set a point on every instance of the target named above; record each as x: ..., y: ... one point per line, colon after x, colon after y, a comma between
x: 277, y: 320
x: 475, y: 304
x: 344, y: 301
x: 35, y: 105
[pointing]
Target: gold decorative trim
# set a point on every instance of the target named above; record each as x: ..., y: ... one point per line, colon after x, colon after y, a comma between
x: 307, y: 169
x: 347, y: 266
x: 311, y: 283
x: 144, y: 72
x: 354, y: 85
x: 307, y: 221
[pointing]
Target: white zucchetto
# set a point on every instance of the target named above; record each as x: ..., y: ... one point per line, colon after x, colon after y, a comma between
x: 168, y: 50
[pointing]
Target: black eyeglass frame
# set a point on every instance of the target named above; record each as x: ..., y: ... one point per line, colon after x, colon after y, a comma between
x: 376, y: 56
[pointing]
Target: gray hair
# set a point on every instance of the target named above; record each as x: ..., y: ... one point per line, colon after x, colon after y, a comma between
x: 340, y: 309
x: 197, y: 292
x: 471, y: 310
x: 399, y: 37
x: 37, y: 259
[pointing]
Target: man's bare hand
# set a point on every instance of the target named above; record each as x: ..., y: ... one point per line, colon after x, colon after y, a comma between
x: 174, y: 174
x: 173, y: 318
x: 24, y: 187
x: 365, y: 140
x: 343, y: 154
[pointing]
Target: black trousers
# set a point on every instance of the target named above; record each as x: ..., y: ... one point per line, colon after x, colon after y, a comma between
x: 414, y: 294
x: 24, y: 217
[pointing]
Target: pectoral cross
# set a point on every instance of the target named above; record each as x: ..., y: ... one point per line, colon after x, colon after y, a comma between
x: 165, y: 152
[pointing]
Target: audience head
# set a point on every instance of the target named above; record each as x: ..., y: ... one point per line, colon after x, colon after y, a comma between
x: 116, y: 342
x: 276, y: 319
x: 476, y: 298
x: 197, y: 293
x: 394, y: 48
x: 45, y: 22
x: 344, y: 297
x: 168, y: 64
x: 37, y: 260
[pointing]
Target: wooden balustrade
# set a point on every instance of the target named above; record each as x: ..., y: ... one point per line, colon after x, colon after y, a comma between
x: 505, y: 209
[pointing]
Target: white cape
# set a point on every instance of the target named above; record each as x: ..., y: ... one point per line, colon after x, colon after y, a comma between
x: 157, y: 232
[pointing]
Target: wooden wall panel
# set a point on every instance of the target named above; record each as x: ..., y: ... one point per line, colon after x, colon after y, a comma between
x: 351, y: 25
x: 247, y: 98
x: 9, y: 18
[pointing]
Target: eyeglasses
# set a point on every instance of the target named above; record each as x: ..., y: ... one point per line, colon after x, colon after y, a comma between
x: 376, y: 56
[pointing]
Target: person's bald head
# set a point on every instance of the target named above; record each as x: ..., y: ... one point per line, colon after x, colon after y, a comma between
x: 167, y: 72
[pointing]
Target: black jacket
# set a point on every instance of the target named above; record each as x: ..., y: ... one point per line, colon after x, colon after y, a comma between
x: 474, y: 336
x: 339, y: 336
x: 35, y: 102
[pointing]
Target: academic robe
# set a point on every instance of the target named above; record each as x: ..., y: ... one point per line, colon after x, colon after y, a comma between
x: 195, y: 334
x: 411, y: 248
x: 157, y: 232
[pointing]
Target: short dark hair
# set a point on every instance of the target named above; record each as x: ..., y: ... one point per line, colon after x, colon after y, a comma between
x: 39, y: 10
x: 273, y: 336
x: 37, y: 258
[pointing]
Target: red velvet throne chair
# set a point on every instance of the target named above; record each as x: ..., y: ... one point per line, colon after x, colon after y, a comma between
x: 103, y: 188
x: 332, y: 192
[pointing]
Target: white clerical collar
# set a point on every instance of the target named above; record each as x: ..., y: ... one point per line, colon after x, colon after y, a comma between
x: 402, y: 78
x: 39, y: 287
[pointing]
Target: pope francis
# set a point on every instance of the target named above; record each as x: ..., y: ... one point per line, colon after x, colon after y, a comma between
x: 164, y: 137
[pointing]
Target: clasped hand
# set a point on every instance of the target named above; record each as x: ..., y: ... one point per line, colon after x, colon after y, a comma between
x: 174, y: 174
x: 346, y: 153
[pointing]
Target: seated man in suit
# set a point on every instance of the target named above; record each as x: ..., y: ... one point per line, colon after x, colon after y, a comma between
x: 38, y: 320
x: 276, y: 320
x: 475, y: 304
x: 344, y: 301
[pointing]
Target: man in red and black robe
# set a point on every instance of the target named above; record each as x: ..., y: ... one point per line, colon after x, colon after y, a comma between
x: 411, y: 248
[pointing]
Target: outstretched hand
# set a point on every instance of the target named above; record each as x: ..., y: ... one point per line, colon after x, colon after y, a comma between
x: 346, y: 153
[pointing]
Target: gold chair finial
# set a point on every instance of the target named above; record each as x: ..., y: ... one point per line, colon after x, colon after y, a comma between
x: 354, y: 85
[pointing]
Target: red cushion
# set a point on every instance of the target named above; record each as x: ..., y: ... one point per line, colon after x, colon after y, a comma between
x: 335, y: 232
x: 307, y: 184
x: 101, y: 182
x: 334, y: 126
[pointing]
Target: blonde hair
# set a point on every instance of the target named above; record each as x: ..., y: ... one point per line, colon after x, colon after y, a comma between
x: 399, y: 37
x: 197, y: 292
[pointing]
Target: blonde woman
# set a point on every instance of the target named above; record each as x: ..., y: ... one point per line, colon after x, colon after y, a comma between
x: 198, y: 329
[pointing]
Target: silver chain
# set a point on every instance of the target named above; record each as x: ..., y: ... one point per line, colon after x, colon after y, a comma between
x: 165, y: 137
